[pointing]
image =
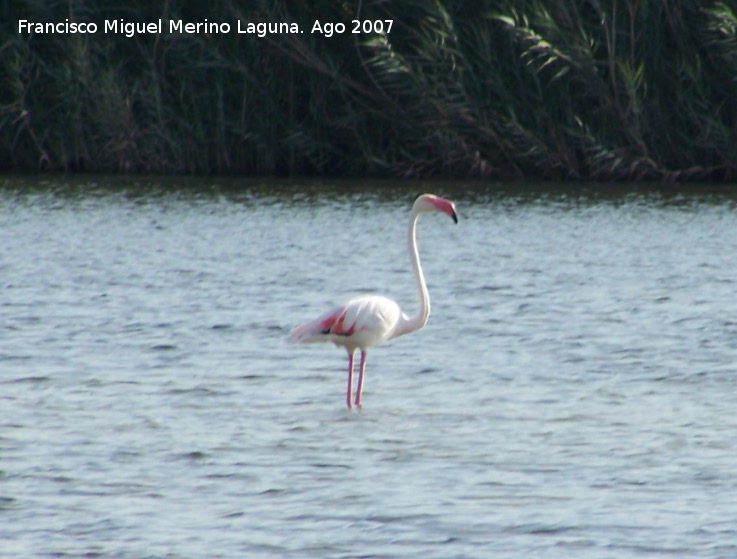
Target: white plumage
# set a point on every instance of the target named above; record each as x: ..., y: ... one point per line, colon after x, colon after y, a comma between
x: 369, y: 320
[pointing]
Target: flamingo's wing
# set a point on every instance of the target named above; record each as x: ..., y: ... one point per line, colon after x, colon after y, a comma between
x: 362, y: 322
x: 319, y: 330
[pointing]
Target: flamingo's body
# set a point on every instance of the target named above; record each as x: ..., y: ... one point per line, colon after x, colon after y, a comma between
x: 369, y: 320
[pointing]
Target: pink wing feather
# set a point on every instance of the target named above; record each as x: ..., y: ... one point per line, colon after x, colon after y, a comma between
x: 332, y: 322
x: 362, y: 322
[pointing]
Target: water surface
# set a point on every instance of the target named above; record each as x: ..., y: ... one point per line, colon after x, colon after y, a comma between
x: 571, y: 396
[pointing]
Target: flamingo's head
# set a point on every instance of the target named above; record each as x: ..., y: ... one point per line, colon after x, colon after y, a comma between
x: 432, y: 203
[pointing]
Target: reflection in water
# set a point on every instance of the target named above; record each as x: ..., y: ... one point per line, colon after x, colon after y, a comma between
x: 572, y: 393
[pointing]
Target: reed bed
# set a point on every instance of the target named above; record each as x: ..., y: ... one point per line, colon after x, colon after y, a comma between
x: 523, y: 89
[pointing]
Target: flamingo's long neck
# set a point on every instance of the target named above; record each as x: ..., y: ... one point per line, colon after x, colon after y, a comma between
x: 423, y: 312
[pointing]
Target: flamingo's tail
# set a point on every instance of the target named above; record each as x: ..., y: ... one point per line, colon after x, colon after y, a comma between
x: 304, y: 334
x: 315, y: 331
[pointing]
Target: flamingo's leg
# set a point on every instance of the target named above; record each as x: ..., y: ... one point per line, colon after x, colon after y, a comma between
x: 350, y: 378
x: 361, y: 371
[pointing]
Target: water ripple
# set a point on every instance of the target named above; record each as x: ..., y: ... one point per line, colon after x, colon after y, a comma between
x: 571, y: 395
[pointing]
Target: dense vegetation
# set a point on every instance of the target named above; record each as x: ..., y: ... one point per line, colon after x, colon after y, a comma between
x: 553, y: 89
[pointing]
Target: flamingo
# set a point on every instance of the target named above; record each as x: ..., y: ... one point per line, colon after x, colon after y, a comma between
x: 370, y: 320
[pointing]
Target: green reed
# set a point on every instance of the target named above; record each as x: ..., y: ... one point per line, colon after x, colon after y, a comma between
x: 546, y: 89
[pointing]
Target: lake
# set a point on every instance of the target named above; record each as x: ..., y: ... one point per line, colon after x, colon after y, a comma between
x: 572, y: 395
